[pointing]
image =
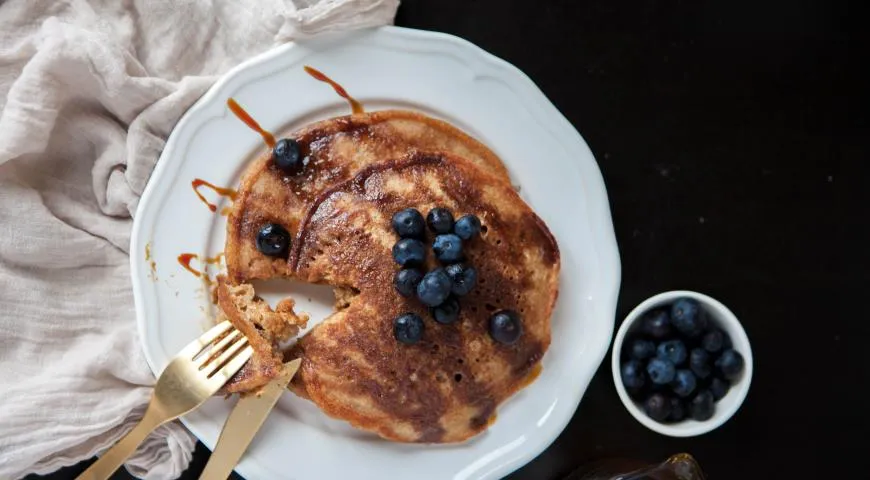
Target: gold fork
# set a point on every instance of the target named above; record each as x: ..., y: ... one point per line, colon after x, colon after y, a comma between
x: 191, y: 378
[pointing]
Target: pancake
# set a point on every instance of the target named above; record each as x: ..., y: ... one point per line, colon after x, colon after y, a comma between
x: 335, y: 150
x: 446, y: 387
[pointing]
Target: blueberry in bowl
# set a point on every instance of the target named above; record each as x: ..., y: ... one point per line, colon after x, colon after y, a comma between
x: 684, y: 383
x: 730, y: 364
x: 661, y: 371
x: 641, y: 349
x: 673, y: 350
x: 656, y: 324
x: 681, y: 363
x: 688, y: 317
x: 657, y: 406
x: 700, y: 363
x: 633, y: 375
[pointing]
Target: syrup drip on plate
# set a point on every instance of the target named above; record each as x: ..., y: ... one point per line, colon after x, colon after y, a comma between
x: 530, y: 377
x: 248, y: 120
x: 151, y: 262
x: 225, y: 192
x: 185, y: 258
x: 355, y: 105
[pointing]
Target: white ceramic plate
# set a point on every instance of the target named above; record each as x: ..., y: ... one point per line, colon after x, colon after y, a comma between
x: 442, y: 76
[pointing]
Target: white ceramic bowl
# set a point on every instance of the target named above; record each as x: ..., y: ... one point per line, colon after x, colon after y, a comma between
x: 728, y: 405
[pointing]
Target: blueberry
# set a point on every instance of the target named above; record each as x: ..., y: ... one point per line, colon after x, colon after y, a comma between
x: 730, y: 363
x: 440, y: 220
x: 505, y: 327
x: 701, y: 407
x: 661, y: 371
x: 637, y: 394
x: 640, y: 349
x: 409, y: 223
x: 447, y: 248
x: 699, y: 362
x: 687, y: 318
x: 467, y: 226
x: 684, y: 383
x: 656, y: 324
x: 719, y: 387
x: 678, y: 410
x: 673, y: 350
x: 409, y: 252
x: 657, y: 407
x: 447, y: 312
x: 464, y: 277
x: 408, y: 328
x: 632, y: 375
x: 713, y: 341
x: 273, y: 240
x: 434, y: 288
x: 287, y: 155
x: 406, y: 281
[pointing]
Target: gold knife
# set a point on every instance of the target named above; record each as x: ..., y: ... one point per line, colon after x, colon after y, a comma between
x: 243, y: 423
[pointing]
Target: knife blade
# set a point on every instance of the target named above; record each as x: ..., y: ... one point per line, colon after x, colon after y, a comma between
x: 243, y: 423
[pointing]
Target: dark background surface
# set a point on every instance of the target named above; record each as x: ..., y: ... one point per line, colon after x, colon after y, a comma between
x: 733, y: 139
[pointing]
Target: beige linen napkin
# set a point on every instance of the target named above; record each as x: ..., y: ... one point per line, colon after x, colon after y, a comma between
x: 89, y: 90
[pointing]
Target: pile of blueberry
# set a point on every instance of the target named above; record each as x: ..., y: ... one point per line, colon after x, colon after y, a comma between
x: 440, y: 288
x: 679, y: 364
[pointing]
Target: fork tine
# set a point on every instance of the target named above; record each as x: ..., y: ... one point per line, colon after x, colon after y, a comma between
x: 223, y: 374
x: 217, y: 349
x: 216, y: 363
x: 194, y: 348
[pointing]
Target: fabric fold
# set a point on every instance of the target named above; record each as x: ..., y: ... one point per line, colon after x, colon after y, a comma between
x: 89, y: 91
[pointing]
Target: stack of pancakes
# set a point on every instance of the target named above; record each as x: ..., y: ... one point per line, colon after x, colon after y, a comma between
x: 358, y: 171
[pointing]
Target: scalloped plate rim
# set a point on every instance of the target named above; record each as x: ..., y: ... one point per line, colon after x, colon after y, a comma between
x: 598, y: 213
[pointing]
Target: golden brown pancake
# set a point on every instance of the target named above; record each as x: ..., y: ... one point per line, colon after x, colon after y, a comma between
x: 446, y: 387
x: 364, y: 168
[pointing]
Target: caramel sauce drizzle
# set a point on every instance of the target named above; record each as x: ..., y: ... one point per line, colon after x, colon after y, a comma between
x: 530, y: 377
x: 250, y: 122
x: 185, y: 258
x: 225, y: 192
x: 355, y: 105
x: 150, y: 261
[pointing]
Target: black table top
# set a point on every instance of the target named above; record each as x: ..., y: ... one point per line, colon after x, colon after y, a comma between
x: 733, y: 139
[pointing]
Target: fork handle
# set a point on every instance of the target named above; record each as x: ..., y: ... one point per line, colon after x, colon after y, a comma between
x: 113, y: 458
